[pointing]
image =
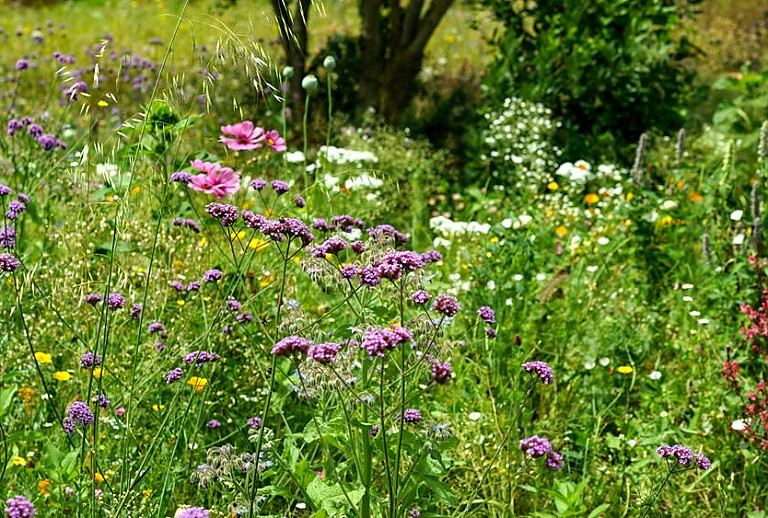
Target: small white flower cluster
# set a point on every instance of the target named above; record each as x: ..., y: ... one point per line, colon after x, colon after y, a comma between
x: 338, y: 155
x: 580, y: 172
x: 516, y: 142
x: 448, y: 227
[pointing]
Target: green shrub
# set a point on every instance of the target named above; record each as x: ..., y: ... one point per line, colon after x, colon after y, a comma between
x: 610, y: 69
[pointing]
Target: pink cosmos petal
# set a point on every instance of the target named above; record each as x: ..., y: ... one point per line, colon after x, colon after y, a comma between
x: 275, y: 141
x: 244, y: 136
x: 218, y: 181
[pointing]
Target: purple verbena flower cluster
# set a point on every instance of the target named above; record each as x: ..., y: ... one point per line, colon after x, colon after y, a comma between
x: 377, y: 341
x: 89, y: 360
x: 323, y: 353
x: 8, y: 263
x: 409, y: 416
x: 212, y: 275
x: 683, y: 455
x: 542, y: 370
x: 536, y: 447
x: 380, y: 231
x: 441, y: 372
x: 78, y: 413
x: 115, y: 301
x: 194, y: 512
x: 200, y: 358
x: 291, y: 344
x: 20, y: 507
x: 487, y: 314
x: 188, y: 223
x: 446, y: 305
x: 226, y: 214
x: 174, y: 375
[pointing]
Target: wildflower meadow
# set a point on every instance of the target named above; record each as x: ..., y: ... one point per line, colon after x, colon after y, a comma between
x: 383, y: 259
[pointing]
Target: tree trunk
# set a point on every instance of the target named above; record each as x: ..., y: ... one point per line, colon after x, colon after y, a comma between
x: 390, y: 68
x: 372, y: 49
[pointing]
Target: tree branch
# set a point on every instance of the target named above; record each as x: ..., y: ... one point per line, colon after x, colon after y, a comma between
x: 428, y: 24
x: 411, y: 22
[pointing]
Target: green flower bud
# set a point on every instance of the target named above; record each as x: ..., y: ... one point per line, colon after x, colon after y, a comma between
x: 329, y: 63
x: 287, y: 72
x: 309, y: 83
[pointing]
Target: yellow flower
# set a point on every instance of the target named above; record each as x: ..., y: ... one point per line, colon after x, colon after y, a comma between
x: 147, y: 493
x: 561, y: 231
x: 102, y: 103
x: 99, y: 477
x: 97, y: 372
x: 197, y: 383
x: 552, y: 186
x: 157, y: 408
x: 624, y: 369
x: 665, y: 221
x: 494, y: 239
x: 19, y: 461
x: 43, y: 485
x: 180, y: 302
x: 258, y: 244
x: 591, y: 198
x: 62, y: 376
x: 43, y: 357
x: 136, y: 190
x: 240, y: 235
x: 630, y: 196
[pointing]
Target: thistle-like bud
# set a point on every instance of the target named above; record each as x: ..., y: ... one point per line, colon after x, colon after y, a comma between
x: 728, y: 159
x: 706, y: 249
x: 757, y: 236
x: 755, y: 200
x: 639, y: 165
x: 680, y: 146
x: 287, y: 73
x: 329, y: 63
x: 762, y: 146
x: 309, y: 83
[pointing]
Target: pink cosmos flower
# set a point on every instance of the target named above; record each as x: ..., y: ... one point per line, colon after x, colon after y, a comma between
x: 275, y: 141
x: 246, y: 136
x: 217, y: 180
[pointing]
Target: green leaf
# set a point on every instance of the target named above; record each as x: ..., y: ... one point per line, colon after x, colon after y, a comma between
x: 600, y: 509
x: 332, y: 499
x: 6, y: 396
x: 69, y: 463
x: 442, y: 490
